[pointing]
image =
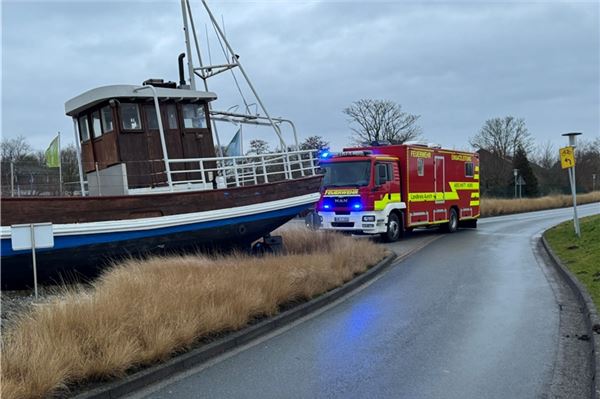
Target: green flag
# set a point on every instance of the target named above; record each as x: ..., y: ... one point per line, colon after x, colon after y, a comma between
x: 53, y: 153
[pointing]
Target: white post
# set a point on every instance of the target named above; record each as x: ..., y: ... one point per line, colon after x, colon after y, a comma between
x: 79, y: 162
x: 264, y: 168
x: 60, y: 179
x: 573, y: 143
x: 235, y: 173
x: 163, y: 142
x: 12, y: 178
x: 98, y: 179
x: 201, y: 165
x: 35, y: 285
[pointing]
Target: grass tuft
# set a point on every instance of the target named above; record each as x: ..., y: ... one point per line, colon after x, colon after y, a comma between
x: 142, y: 312
x: 503, y: 206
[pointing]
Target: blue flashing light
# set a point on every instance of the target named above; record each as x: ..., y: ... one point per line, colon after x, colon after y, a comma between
x: 357, y: 206
x: 326, y: 206
x: 325, y: 153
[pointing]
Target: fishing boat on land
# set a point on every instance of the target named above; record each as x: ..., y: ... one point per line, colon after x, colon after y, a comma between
x: 153, y: 181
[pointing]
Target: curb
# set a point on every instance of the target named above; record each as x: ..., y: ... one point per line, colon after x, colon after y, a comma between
x: 592, y: 320
x: 200, y: 355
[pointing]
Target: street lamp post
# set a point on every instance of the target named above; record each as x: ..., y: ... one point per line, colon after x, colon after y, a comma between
x: 573, y: 143
x: 516, y: 173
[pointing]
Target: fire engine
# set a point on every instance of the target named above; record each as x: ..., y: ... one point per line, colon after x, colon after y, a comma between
x: 389, y: 189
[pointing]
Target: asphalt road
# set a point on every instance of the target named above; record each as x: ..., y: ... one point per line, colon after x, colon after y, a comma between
x: 472, y: 315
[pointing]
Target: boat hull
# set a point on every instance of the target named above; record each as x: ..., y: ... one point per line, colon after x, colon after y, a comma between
x: 84, y: 262
x: 82, y: 250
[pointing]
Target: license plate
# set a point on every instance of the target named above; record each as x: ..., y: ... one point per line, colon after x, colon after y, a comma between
x: 341, y: 219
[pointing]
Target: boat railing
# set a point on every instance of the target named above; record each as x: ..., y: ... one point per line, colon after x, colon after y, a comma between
x: 32, y: 178
x: 243, y: 170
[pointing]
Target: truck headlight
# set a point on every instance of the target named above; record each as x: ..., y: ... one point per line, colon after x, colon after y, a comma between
x: 368, y: 218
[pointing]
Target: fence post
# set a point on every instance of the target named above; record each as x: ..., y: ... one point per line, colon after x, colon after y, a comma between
x: 98, y: 180
x: 201, y: 164
x: 264, y: 166
x: 288, y: 167
x: 235, y: 173
x: 12, y: 178
x: 254, y: 172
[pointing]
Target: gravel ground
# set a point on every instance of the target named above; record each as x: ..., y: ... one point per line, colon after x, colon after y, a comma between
x: 13, y: 303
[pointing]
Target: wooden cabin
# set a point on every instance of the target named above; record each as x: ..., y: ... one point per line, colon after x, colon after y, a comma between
x: 120, y: 140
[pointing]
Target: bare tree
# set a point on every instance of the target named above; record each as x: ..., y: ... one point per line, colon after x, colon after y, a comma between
x: 373, y: 120
x: 14, y: 149
x: 314, y: 143
x: 502, y: 136
x: 545, y: 155
x: 258, y: 147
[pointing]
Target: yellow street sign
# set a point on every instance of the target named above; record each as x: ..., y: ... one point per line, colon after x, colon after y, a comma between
x: 567, y: 157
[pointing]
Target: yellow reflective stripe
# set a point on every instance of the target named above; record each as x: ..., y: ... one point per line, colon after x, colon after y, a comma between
x: 476, y: 177
x: 381, y: 204
x: 477, y: 168
x: 449, y: 196
x: 474, y: 203
x: 474, y: 195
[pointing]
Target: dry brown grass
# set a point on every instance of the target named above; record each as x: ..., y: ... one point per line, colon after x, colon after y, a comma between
x: 500, y: 206
x: 143, y: 312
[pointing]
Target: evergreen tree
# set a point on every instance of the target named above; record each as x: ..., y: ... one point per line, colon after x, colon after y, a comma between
x: 520, y: 161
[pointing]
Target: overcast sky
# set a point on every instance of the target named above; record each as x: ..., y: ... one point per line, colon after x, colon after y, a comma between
x: 454, y: 63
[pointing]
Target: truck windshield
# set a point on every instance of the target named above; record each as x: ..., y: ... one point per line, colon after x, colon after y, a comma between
x: 342, y: 174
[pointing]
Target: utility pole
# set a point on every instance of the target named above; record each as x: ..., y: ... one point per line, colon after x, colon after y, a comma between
x: 567, y: 159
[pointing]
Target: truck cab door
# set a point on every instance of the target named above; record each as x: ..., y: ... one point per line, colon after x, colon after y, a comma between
x: 383, y: 179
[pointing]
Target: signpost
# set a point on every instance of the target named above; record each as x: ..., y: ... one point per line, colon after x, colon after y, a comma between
x: 520, y: 183
x: 567, y: 161
x: 516, y: 173
x: 32, y: 236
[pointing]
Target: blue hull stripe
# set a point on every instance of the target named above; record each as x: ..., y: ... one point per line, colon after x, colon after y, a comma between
x: 73, y: 241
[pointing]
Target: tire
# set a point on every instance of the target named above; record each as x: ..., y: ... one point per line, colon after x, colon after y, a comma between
x: 452, y: 224
x: 395, y: 228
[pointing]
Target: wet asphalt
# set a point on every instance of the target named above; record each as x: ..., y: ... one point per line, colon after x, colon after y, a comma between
x: 472, y: 315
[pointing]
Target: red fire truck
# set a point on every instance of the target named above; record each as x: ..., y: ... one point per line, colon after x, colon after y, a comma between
x: 389, y: 189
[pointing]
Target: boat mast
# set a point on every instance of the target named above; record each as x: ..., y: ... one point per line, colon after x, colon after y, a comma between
x: 205, y: 72
x: 186, y: 10
x: 187, y: 46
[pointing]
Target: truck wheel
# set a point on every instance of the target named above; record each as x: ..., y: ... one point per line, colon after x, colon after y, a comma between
x: 452, y: 224
x: 395, y: 228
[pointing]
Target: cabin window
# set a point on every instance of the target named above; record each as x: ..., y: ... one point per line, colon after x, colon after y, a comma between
x: 172, y: 116
x: 96, y: 125
x: 151, y: 119
x: 469, y: 169
x: 193, y: 116
x: 84, y: 130
x: 130, y: 117
x: 382, y: 174
x: 420, y: 166
x: 107, y: 119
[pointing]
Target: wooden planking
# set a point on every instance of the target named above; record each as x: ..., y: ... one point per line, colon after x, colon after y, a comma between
x: 93, y: 209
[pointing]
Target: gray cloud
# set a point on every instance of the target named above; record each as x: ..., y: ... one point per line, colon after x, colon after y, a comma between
x: 456, y: 64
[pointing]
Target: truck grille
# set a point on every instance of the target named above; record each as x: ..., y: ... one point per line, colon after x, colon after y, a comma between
x: 342, y: 224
